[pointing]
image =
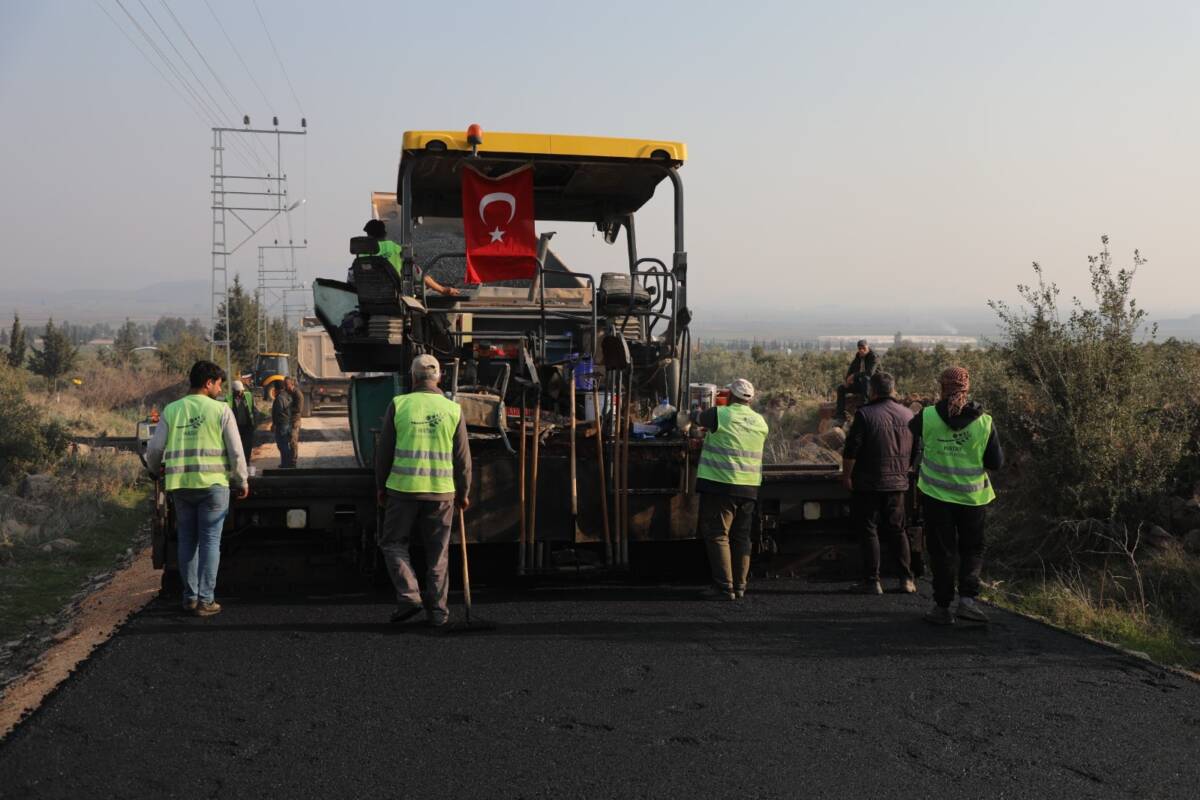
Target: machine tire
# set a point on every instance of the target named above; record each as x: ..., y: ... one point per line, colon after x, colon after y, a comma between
x: 308, y: 405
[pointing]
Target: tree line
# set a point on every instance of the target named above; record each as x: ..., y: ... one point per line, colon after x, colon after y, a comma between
x: 179, y: 342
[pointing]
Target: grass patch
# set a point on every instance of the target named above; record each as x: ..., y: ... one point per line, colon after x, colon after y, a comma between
x: 1063, y: 603
x: 35, y: 584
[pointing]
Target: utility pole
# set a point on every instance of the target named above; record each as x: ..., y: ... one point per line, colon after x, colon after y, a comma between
x: 242, y: 197
x: 274, y: 284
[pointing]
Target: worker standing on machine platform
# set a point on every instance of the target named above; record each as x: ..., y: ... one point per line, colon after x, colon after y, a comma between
x: 422, y: 474
x: 727, y: 479
x: 391, y: 251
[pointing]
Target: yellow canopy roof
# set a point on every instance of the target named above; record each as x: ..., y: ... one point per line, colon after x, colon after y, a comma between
x: 575, y: 178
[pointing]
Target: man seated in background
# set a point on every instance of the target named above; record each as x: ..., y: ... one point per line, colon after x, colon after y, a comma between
x: 858, y: 376
x: 391, y: 251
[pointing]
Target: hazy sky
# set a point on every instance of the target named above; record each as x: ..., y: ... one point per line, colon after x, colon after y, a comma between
x: 854, y: 154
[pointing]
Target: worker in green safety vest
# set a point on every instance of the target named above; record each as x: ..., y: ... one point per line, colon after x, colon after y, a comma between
x: 422, y: 474
x: 727, y: 480
x: 959, y: 446
x: 391, y: 251
x: 197, y: 451
x: 242, y: 404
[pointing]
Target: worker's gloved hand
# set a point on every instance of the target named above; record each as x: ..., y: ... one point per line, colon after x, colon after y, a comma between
x: 683, y: 421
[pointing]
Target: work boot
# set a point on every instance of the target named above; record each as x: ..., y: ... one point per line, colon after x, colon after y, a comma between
x: 739, y: 592
x: 970, y: 611
x: 869, y: 586
x: 907, y: 586
x: 715, y: 592
x: 190, y: 605
x: 404, y: 614
x: 207, y: 609
x: 939, y: 615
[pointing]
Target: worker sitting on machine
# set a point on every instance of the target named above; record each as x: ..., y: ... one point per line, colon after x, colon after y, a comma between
x: 858, y: 377
x: 391, y: 251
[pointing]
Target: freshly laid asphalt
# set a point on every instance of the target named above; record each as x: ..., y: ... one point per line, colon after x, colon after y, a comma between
x: 608, y: 691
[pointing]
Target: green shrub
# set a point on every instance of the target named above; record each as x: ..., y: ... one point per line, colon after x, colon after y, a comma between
x: 1101, y: 420
x: 28, y: 442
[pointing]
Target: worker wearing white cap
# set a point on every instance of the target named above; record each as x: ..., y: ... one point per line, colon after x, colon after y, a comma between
x: 727, y: 479
x: 422, y: 474
x: 243, y: 413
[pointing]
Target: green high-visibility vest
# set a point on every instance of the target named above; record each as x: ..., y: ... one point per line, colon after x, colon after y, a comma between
x: 391, y: 251
x: 424, y: 458
x: 247, y: 402
x: 195, y: 454
x: 952, y: 465
x: 733, y: 452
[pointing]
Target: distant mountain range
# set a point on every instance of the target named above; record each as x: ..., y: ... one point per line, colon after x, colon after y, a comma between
x: 185, y: 299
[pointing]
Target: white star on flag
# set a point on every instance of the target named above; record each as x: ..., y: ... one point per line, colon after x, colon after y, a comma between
x: 497, y: 235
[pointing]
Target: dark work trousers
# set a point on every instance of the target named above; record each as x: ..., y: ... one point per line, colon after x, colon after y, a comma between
x: 954, y: 541
x: 431, y: 520
x: 283, y: 440
x: 860, y: 385
x: 725, y: 524
x: 871, y: 511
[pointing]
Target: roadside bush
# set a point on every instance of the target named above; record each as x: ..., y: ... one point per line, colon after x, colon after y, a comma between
x: 28, y: 442
x: 1101, y: 420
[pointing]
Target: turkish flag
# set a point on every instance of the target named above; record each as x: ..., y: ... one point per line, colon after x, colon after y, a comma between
x: 498, y: 225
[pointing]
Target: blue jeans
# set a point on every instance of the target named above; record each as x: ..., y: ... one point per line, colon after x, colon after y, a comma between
x: 199, y: 517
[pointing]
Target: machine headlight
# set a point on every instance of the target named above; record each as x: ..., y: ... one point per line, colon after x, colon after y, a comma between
x: 812, y: 510
x: 297, y: 518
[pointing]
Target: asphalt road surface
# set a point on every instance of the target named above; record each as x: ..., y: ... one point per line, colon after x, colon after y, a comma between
x: 608, y: 691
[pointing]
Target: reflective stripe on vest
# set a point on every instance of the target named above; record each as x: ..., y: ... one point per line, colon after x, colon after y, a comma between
x: 423, y: 462
x: 194, y: 457
x: 733, y: 452
x: 952, y: 464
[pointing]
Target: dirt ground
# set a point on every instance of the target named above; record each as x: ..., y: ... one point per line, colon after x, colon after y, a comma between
x: 324, y: 442
x: 99, y: 617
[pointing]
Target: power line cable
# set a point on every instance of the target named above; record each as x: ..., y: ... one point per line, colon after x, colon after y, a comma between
x: 275, y: 50
x: 212, y: 118
x: 216, y: 105
x: 238, y: 53
x: 239, y: 109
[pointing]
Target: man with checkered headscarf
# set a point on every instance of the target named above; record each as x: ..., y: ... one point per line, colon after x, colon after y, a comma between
x: 959, y: 445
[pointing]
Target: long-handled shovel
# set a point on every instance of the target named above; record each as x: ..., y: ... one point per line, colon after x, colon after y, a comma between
x: 469, y: 625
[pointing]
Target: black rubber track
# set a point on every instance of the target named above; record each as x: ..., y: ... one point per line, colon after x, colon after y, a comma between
x: 798, y: 691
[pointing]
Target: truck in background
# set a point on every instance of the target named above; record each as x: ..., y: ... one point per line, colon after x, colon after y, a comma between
x: 318, y: 375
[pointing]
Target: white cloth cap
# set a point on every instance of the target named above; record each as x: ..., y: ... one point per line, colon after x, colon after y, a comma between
x: 742, y: 389
x: 237, y: 386
x: 426, y: 367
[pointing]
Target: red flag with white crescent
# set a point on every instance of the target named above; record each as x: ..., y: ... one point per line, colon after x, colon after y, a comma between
x: 498, y: 225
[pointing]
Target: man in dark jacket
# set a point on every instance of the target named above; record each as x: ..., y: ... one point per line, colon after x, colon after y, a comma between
x: 959, y: 447
x: 875, y: 467
x: 858, y: 376
x: 282, y: 417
